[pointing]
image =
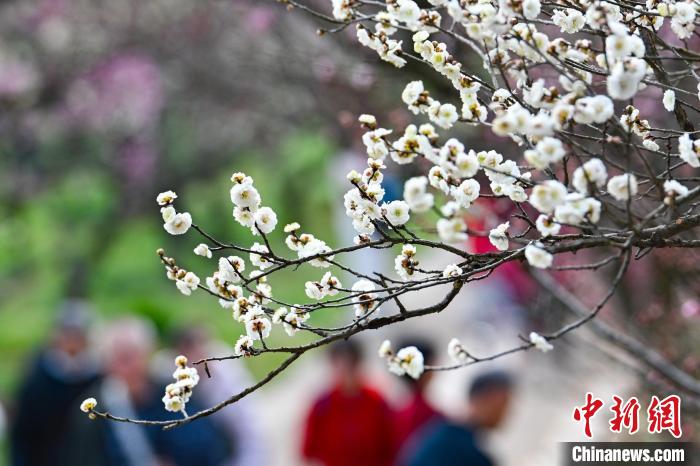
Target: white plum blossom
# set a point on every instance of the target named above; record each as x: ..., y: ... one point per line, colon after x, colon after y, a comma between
x: 178, y: 394
x: 405, y: 263
x: 265, y: 220
x: 531, y: 8
x: 188, y: 283
x: 388, y: 49
x: 245, y: 195
x: 165, y: 198
x: 278, y: 315
x: 243, y: 346
x: 408, y: 361
x: 405, y: 11
x: 410, y: 145
x: 259, y: 256
x: 168, y: 213
x: 414, y: 96
x: 178, y: 224
x: 498, y: 236
x: 203, y: 250
x: 451, y: 271
x: 293, y: 320
x: 626, y: 75
x: 231, y: 269
x: 569, y: 20
x: 540, y: 342
x: 578, y: 209
x: 649, y: 143
x: 243, y: 216
x: 307, y: 245
x: 621, y: 187
x: 683, y: 18
x: 466, y: 193
x: 456, y: 351
x: 547, y: 226
x: 591, y: 173
x: 452, y: 231
x: 595, y: 109
x: 551, y: 149
x: 689, y: 150
x: 375, y: 143
x: 369, y: 120
x: 443, y: 115
x: 674, y: 189
x: 258, y: 328
x: 537, y: 256
x: 365, y: 300
x: 416, y: 196
x: 669, y: 100
x: 88, y: 405
x: 547, y: 196
x: 342, y: 9
x: 396, y: 212
x: 327, y: 286
x: 385, y: 349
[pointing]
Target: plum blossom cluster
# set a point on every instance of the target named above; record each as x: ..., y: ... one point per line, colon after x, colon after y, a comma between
x: 177, y: 394
x: 363, y: 202
x: 405, y: 264
x: 570, y: 145
x: 329, y: 285
x: 247, y: 209
x: 185, y: 281
x: 175, y: 223
x: 307, y: 246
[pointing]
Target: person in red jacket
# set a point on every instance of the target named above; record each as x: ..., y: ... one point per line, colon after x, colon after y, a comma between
x: 350, y: 424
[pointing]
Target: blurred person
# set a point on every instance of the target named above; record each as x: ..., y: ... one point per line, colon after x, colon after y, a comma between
x: 456, y: 442
x: 128, y: 390
x: 416, y: 412
x: 239, y: 422
x: 56, y: 378
x: 350, y: 424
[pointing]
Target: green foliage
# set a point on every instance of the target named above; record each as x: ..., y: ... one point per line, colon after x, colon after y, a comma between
x: 74, y: 238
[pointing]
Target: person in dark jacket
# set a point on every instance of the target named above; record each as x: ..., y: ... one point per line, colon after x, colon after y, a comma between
x: 456, y: 442
x: 55, y: 380
x: 128, y: 390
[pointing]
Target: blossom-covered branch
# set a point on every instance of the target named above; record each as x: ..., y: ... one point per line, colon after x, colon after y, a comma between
x: 585, y: 171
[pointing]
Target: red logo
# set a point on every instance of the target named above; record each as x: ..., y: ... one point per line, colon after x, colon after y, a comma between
x: 662, y: 415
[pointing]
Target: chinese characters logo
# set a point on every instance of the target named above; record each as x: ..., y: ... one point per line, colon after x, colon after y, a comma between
x: 661, y: 414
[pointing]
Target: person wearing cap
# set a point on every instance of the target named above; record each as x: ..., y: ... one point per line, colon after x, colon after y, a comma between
x: 54, y: 381
x: 455, y: 442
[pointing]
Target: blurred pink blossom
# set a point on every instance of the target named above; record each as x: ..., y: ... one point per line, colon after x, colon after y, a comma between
x: 690, y: 308
x: 138, y: 160
x: 47, y: 10
x: 123, y: 94
x: 260, y: 19
x: 17, y: 78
